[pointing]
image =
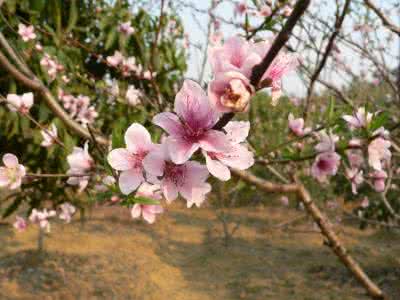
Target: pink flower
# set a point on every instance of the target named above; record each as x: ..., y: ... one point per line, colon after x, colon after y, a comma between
x: 281, y: 65
x: 265, y: 11
x: 126, y: 28
x: 284, y: 200
x: 365, y: 202
x: 39, y: 47
x: 236, y: 54
x: 188, y: 179
x: 326, y: 142
x: 115, y: 59
x: 325, y: 164
x: 297, y: 126
x: 12, y: 173
x: 67, y: 211
x: 51, y: 66
x: 287, y: 11
x: 148, y: 212
x: 238, y: 156
x: 41, y: 218
x: 382, y: 132
x: 20, y: 103
x: 191, y: 127
x: 149, y: 75
x: 27, y: 33
x: 378, y: 178
x: 355, y: 158
x: 80, y: 162
x: 356, y: 178
x: 216, y: 38
x: 20, y: 224
x: 379, y: 153
x: 129, y: 160
x: 360, y: 119
x: 49, y: 136
x: 129, y: 66
x: 240, y: 8
x: 133, y: 95
x: 230, y: 92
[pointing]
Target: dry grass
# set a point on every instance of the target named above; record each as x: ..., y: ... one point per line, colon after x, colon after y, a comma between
x: 183, y: 256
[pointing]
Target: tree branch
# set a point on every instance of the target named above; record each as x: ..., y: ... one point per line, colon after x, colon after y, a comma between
x: 385, y: 20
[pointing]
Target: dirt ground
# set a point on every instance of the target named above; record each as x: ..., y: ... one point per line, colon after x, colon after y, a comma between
x: 184, y: 256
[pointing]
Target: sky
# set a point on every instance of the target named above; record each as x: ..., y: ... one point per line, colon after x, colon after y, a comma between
x: 195, y: 25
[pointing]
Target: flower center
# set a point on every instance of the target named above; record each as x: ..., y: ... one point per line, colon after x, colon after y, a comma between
x: 175, y: 173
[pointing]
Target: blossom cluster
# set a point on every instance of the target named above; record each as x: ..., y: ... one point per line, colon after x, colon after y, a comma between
x: 128, y: 66
x: 79, y: 107
x: 41, y: 217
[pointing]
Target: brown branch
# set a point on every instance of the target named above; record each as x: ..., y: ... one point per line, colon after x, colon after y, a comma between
x: 328, y: 49
x: 385, y: 20
x: 323, y: 223
x: 279, y: 42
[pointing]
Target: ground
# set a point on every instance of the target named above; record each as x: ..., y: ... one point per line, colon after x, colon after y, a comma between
x: 184, y: 256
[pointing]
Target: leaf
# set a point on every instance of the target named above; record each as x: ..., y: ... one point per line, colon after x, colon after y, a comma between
x: 111, y: 39
x: 37, y: 5
x: 379, y: 121
x: 145, y: 201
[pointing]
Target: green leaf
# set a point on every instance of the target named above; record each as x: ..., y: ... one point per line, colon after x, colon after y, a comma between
x: 37, y: 5
x: 146, y: 201
x: 379, y: 121
x: 111, y: 39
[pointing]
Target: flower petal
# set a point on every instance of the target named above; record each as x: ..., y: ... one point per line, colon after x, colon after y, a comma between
x: 180, y: 150
x: 136, y: 211
x: 137, y: 138
x: 169, y: 190
x: 120, y: 159
x: 169, y: 122
x: 130, y: 180
x: 214, y: 141
x: 217, y: 168
x: 10, y: 160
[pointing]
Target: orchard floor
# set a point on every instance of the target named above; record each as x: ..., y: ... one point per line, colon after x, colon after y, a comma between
x: 183, y: 256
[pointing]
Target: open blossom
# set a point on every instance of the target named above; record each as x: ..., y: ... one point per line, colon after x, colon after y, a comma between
x: 129, y: 160
x: 382, y: 132
x: 265, y: 11
x: 27, y: 33
x: 49, y: 136
x: 297, y: 126
x: 356, y: 178
x: 326, y: 142
x: 287, y: 11
x: 126, y: 28
x: 148, y: 212
x: 52, y: 66
x: 130, y: 66
x: 237, y: 157
x: 239, y: 55
x: 191, y: 127
x: 21, y: 103
x: 67, y: 211
x: 148, y: 74
x: 41, y: 218
x: 240, y: 8
x: 361, y: 118
x: 230, y: 91
x: 12, y: 173
x: 378, y: 179
x: 188, y: 179
x: 325, y: 164
x: 115, y: 59
x: 133, y: 95
x: 379, y: 153
x: 355, y: 158
x: 80, y: 163
x: 20, y: 224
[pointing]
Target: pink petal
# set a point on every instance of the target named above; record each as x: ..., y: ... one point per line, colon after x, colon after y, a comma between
x: 239, y: 157
x: 180, y: 150
x: 27, y: 99
x: 130, y: 180
x: 137, y: 138
x: 214, y: 141
x: 154, y: 163
x: 196, y: 173
x: 121, y: 159
x: 169, y: 190
x: 237, y: 131
x: 217, y: 168
x: 136, y: 211
x: 149, y: 217
x: 10, y: 160
x: 169, y: 122
x: 195, y: 194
